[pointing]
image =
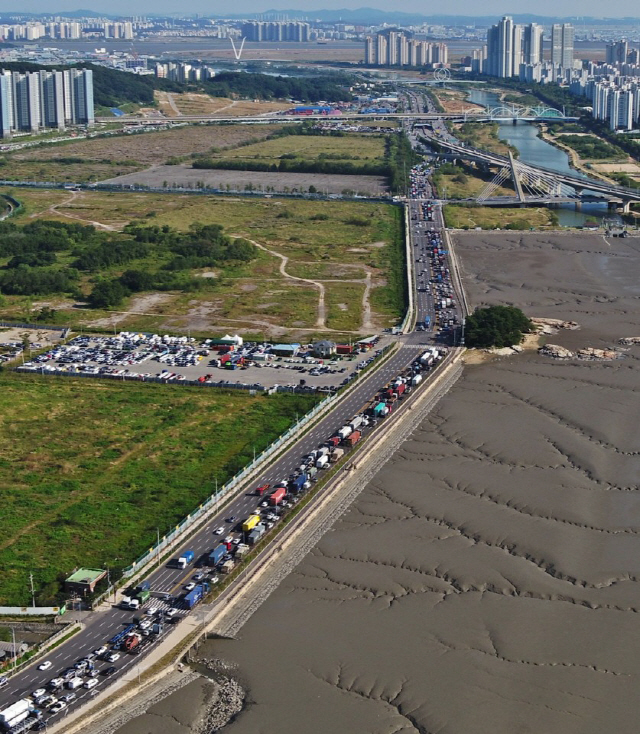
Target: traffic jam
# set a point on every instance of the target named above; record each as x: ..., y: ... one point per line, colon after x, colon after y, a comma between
x: 433, y: 276
x: 154, y: 611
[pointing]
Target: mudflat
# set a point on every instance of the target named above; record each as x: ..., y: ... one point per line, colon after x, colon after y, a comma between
x: 487, y: 580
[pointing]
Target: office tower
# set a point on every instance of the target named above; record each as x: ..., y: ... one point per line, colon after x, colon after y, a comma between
x: 617, y: 52
x: 562, y: 45
x: 500, y: 40
x: 532, y: 44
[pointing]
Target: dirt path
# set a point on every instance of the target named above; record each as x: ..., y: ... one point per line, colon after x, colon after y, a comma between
x: 53, y: 209
x: 172, y: 103
x: 321, y: 320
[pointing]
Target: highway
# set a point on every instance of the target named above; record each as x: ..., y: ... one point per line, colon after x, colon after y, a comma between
x: 102, y: 624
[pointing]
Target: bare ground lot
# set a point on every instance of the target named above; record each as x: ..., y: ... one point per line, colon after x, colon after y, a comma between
x: 239, y: 180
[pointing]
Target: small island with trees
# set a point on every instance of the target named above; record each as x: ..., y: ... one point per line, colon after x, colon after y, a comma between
x: 496, y: 326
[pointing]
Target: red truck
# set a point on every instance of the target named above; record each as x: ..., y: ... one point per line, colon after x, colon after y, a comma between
x: 334, y: 441
x: 401, y: 388
x: 131, y: 642
x: 353, y: 439
x: 262, y: 489
x: 277, y: 497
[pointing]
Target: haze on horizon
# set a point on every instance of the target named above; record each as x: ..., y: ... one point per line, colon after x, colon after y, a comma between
x: 554, y: 8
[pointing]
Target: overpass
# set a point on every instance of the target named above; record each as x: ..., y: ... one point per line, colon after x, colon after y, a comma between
x: 535, y: 185
x: 503, y: 113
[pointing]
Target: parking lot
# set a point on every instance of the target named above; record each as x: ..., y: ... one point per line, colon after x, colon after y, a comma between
x: 182, y: 359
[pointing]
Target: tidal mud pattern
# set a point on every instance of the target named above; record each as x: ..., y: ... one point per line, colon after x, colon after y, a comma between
x: 487, y: 580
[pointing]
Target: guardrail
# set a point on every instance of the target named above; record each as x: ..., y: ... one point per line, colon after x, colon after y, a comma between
x: 409, y: 319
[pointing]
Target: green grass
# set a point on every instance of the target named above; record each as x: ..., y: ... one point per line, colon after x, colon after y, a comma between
x: 89, y: 469
x: 316, y: 236
x: 470, y: 217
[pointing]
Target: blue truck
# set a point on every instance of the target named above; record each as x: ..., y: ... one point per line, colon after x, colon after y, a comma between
x: 195, y: 595
x: 216, y: 555
x: 427, y: 322
x: 298, y: 483
x: 185, y: 559
x: 122, y: 634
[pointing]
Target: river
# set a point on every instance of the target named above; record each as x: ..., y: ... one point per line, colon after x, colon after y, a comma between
x: 535, y: 150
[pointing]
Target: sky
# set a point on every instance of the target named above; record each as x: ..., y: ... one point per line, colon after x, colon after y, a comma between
x: 618, y: 8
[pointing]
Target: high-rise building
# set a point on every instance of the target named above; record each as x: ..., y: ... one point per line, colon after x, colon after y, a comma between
x: 500, y: 51
x: 617, y: 52
x: 396, y: 48
x: 562, y: 45
x: 256, y: 30
x: 45, y: 99
x: 532, y: 44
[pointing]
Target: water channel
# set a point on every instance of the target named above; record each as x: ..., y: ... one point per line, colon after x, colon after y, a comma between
x: 535, y: 150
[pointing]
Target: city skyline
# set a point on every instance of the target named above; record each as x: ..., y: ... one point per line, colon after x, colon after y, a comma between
x: 549, y: 8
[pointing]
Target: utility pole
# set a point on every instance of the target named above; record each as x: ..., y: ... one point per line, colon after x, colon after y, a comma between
x: 158, y: 547
x: 33, y: 592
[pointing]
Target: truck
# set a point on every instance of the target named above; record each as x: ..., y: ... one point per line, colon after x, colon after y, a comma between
x: 143, y: 595
x: 134, y: 604
x: 427, y: 322
x: 195, y: 595
x: 401, y: 389
x: 322, y: 462
x: 14, y: 714
x: 336, y: 455
x: 356, y: 422
x: 250, y: 523
x: 380, y: 410
x: 256, y: 534
x: 298, y: 483
x: 120, y: 635
x: 228, y: 565
x: 125, y: 601
x: 277, y: 497
x: 143, y: 586
x: 416, y: 380
x: 354, y: 438
x: 241, y: 550
x: 344, y: 432
x: 74, y: 683
x: 131, y: 642
x: 185, y: 559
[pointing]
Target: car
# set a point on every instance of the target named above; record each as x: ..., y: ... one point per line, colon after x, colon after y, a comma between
x: 233, y: 518
x: 69, y: 673
x: 219, y: 531
x: 110, y: 670
x: 45, y: 665
x: 39, y: 726
x: 91, y: 683
x: 198, y: 577
x: 112, y: 657
x: 68, y: 697
x: 236, y: 541
x: 3, y: 681
x: 56, y: 683
x: 145, y: 624
x: 172, y: 613
x: 39, y: 693
x: 190, y: 587
x: 81, y: 665
x: 101, y: 651
x: 57, y: 707
x: 213, y: 579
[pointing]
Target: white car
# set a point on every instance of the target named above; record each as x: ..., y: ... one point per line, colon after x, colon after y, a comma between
x: 40, y: 692
x: 113, y: 657
x: 219, y: 531
x: 145, y: 624
x: 190, y: 587
x: 101, y: 651
x: 45, y: 665
x: 172, y: 613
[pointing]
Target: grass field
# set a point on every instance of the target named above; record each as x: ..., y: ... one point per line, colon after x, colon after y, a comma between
x: 101, y: 158
x: 319, y: 238
x: 464, y: 183
x: 90, y: 469
x: 189, y: 103
x: 483, y: 135
x: 311, y: 147
x: 465, y: 217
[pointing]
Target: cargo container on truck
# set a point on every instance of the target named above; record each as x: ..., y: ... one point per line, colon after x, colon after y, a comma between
x: 344, y: 432
x: 185, y: 559
x: 356, y: 422
x: 74, y: 683
x: 336, y: 455
x: 401, y: 389
x: 241, y: 550
x: 143, y: 595
x: 228, y: 565
x: 256, y: 534
x: 311, y: 472
x: 416, y: 380
x: 216, y: 555
x: 322, y: 462
x: 298, y: 483
x: 143, y: 586
x: 334, y: 440
x: 15, y: 713
x: 380, y: 410
x: 277, y: 497
x: 125, y: 601
x: 250, y: 523
x: 195, y: 595
x: 354, y: 438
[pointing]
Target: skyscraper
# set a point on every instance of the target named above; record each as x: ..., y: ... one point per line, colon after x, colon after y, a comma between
x: 532, y: 44
x: 562, y: 45
x: 617, y: 52
x: 509, y: 45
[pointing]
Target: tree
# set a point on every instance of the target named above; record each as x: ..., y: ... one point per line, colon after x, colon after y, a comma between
x: 107, y: 293
x: 496, y: 326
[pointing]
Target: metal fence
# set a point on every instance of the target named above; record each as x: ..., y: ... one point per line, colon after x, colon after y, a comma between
x: 214, y: 500
x: 407, y: 323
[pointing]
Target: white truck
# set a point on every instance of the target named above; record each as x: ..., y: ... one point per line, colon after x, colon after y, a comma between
x: 322, y: 462
x: 344, y: 432
x: 356, y: 423
x: 13, y: 715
